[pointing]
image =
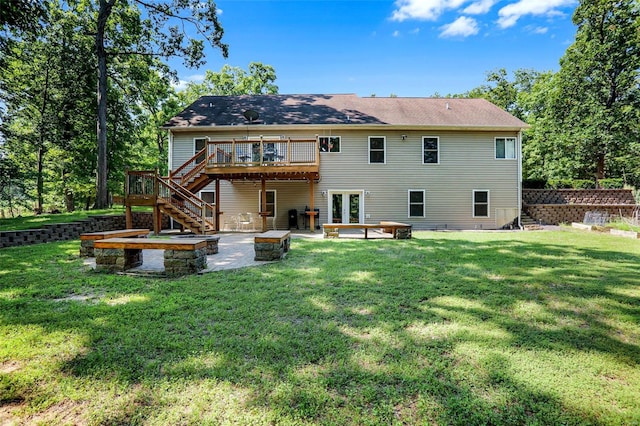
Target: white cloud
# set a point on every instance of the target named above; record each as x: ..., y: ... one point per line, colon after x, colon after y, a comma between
x: 182, y: 84
x: 396, y: 33
x: 461, y: 27
x: 423, y: 9
x: 479, y: 7
x: 540, y: 30
x: 510, y: 14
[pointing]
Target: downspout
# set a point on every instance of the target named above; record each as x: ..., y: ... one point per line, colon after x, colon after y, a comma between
x: 170, y: 156
x: 520, y: 179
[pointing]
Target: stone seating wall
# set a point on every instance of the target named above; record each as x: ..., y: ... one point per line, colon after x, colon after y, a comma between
x: 555, y: 206
x: 72, y: 231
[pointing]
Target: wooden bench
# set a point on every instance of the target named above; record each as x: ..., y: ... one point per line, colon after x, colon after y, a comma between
x: 398, y: 230
x: 87, y: 240
x: 181, y: 257
x: 272, y: 245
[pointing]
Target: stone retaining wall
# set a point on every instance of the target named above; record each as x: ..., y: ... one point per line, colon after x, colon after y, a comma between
x: 554, y: 214
x: 72, y: 231
x: 555, y: 206
x: 578, y: 196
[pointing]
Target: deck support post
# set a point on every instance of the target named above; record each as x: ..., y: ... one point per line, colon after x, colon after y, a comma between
x: 312, y: 217
x: 263, y: 205
x: 157, y: 220
x: 217, y: 201
x: 128, y: 218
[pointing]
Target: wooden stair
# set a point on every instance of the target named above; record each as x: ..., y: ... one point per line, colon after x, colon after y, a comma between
x: 185, y: 218
x: 168, y: 196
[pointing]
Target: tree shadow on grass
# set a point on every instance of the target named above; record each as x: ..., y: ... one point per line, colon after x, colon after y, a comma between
x: 434, y: 330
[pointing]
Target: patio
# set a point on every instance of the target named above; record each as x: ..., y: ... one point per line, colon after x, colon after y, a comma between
x: 235, y: 250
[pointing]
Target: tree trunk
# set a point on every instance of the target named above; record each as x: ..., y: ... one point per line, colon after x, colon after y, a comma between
x: 41, y: 148
x: 69, y: 200
x: 102, y: 163
x: 40, y: 181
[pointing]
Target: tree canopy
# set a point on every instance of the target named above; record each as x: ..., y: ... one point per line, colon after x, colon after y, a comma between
x: 584, y: 119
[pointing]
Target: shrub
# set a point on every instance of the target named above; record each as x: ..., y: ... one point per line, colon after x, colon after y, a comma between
x: 615, y: 183
x: 534, y: 183
x: 583, y: 184
x: 560, y: 183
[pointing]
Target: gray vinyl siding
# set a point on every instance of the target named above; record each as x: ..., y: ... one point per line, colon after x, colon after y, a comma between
x: 467, y: 163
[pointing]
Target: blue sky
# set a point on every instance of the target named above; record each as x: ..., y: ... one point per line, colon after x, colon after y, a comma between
x: 404, y: 47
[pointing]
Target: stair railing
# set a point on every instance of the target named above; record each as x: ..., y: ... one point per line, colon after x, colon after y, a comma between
x: 190, y: 168
x: 187, y: 202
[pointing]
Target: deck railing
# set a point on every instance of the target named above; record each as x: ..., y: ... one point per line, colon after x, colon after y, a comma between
x: 263, y: 152
x: 248, y: 153
x: 141, y: 184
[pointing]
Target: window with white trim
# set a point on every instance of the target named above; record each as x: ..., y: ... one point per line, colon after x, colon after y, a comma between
x: 377, y: 149
x: 480, y: 203
x: 271, y: 202
x: 208, y: 197
x: 430, y: 150
x: 329, y: 143
x: 506, y: 148
x: 198, y: 145
x: 417, y: 203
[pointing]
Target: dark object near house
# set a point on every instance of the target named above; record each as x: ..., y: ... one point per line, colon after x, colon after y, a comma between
x: 317, y: 215
x: 293, y: 218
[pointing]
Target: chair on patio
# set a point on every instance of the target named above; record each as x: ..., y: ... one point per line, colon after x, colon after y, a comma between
x: 245, y: 221
x: 231, y: 224
x: 243, y: 154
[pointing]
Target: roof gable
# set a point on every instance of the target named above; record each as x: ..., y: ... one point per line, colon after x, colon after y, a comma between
x: 212, y: 111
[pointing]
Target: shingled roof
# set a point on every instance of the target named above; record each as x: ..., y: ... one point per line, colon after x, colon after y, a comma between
x: 213, y: 111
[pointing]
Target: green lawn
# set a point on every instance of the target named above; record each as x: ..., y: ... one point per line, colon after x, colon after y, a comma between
x: 446, y: 328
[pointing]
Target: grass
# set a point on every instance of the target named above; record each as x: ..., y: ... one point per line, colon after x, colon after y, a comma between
x: 446, y: 329
x: 623, y: 226
x: 37, y: 221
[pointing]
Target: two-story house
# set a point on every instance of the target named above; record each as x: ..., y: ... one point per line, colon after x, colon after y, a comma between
x: 432, y: 163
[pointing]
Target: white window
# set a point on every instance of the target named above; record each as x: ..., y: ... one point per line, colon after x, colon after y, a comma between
x: 416, y: 203
x: 430, y: 150
x: 208, y: 197
x: 480, y: 203
x: 377, y: 149
x: 329, y: 143
x: 271, y: 203
x: 198, y: 145
x: 506, y: 148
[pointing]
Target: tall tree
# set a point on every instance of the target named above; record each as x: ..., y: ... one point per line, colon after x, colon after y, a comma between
x: 597, y: 100
x: 505, y: 93
x: 260, y: 79
x: 121, y: 30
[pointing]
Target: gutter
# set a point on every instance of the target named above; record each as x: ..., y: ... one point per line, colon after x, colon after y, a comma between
x: 338, y: 126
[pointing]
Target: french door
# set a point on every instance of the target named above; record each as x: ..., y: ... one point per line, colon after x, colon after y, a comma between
x: 346, y: 207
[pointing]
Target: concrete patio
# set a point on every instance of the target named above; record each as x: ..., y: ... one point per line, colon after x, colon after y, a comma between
x: 235, y: 250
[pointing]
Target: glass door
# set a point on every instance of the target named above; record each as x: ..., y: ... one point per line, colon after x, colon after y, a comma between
x: 346, y: 207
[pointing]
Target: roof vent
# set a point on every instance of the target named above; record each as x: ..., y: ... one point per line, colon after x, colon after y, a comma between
x: 448, y: 107
x: 251, y: 115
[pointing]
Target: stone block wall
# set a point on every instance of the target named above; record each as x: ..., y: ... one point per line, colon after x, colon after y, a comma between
x: 185, y: 262
x: 578, y: 196
x: 72, y: 231
x: 555, y: 206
